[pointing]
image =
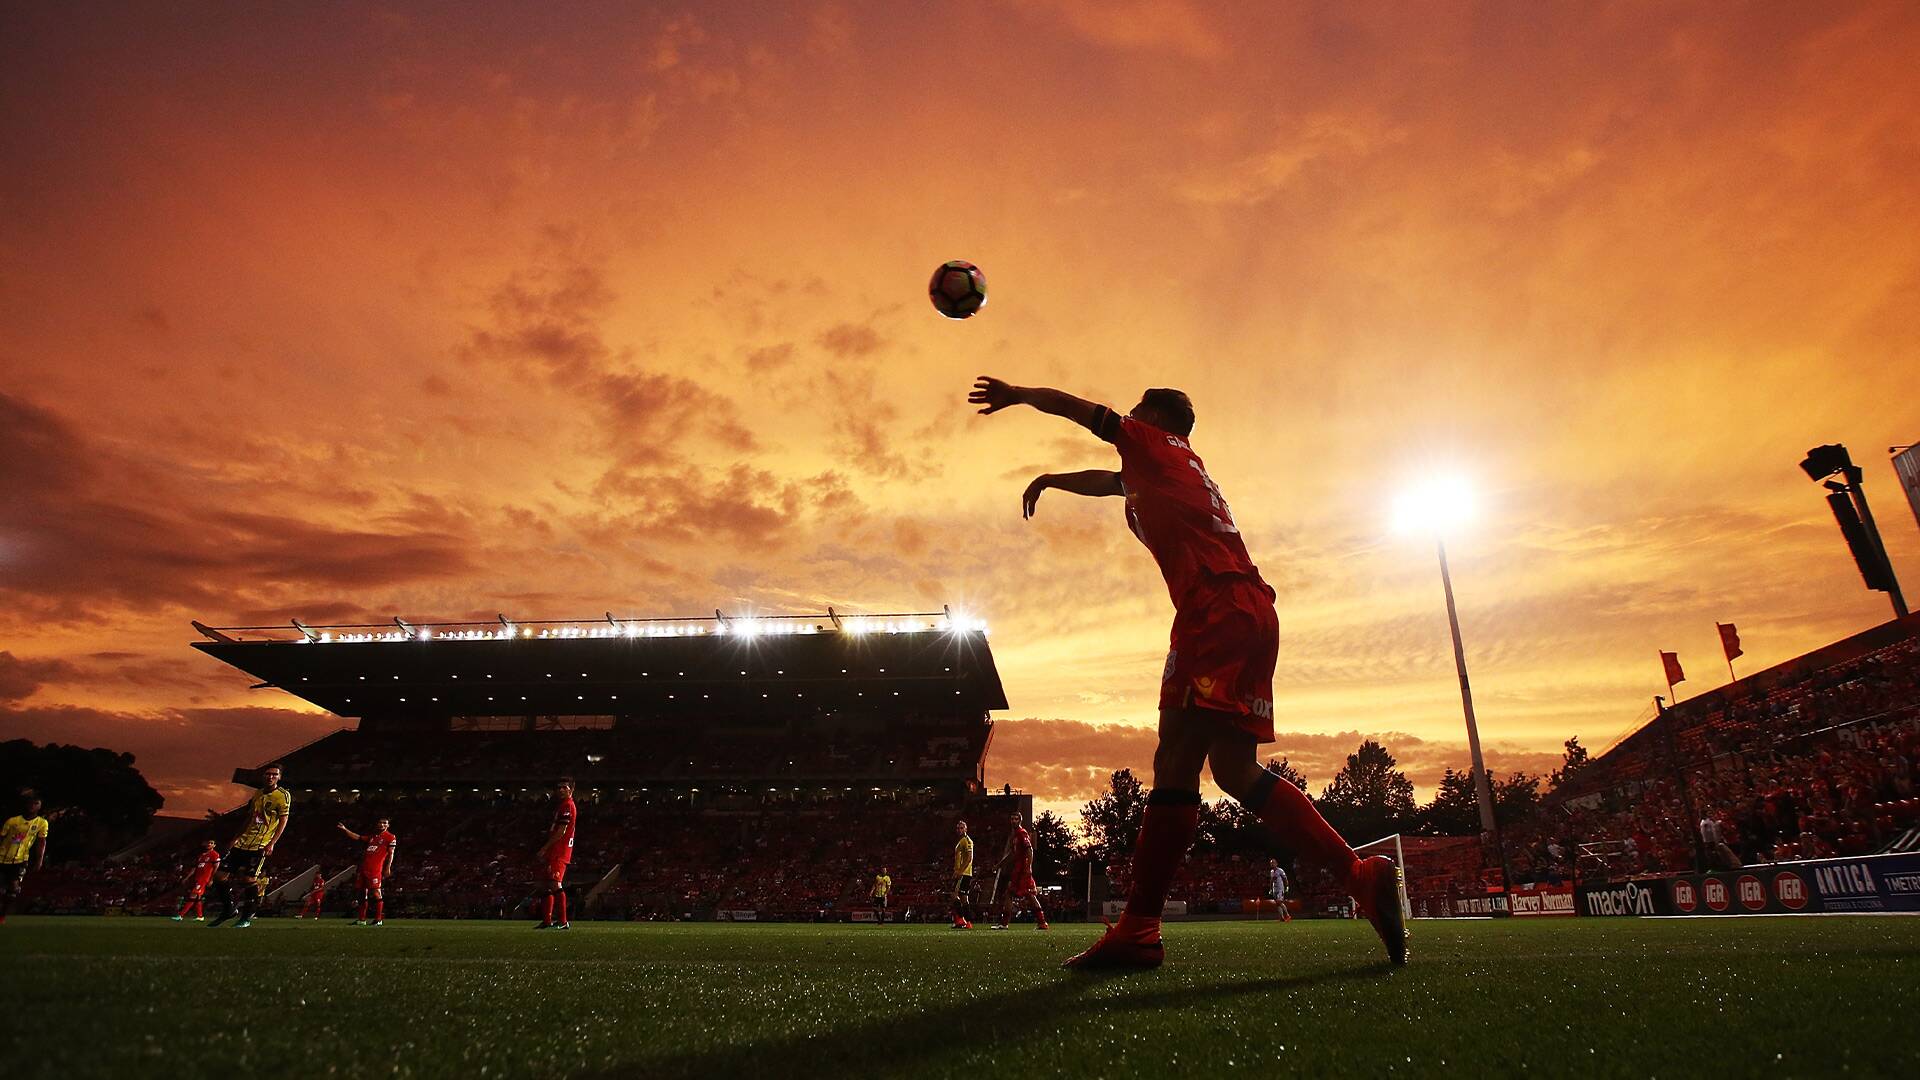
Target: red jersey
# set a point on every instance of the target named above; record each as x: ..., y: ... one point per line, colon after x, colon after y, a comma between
x: 1022, y: 850
x: 319, y: 888
x: 563, y: 819
x: 203, y: 870
x: 379, y: 847
x: 1173, y: 506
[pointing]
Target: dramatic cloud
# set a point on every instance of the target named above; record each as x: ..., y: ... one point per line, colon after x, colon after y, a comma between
x: 446, y: 313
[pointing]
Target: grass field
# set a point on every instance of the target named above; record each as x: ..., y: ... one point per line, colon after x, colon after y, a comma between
x: 146, y: 997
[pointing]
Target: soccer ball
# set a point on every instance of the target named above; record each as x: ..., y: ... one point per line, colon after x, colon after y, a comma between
x: 958, y: 289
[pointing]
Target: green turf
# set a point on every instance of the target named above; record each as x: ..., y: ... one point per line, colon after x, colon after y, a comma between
x: 146, y: 997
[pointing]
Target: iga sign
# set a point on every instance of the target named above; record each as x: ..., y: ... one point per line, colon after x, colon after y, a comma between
x: 1778, y: 889
x: 1542, y: 900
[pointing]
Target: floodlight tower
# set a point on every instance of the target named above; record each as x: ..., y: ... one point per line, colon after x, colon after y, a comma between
x: 1849, y: 504
x: 1440, y: 505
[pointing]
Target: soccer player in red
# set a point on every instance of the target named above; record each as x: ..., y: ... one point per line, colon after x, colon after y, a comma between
x: 316, y: 896
x: 1216, y: 692
x: 556, y: 853
x: 1020, y: 852
x: 376, y: 866
x: 202, y: 877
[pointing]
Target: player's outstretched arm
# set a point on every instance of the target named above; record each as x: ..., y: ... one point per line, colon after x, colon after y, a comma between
x: 994, y: 394
x: 1091, y: 482
x: 351, y: 835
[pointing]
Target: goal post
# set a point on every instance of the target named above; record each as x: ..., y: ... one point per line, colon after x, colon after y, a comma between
x: 1392, y: 848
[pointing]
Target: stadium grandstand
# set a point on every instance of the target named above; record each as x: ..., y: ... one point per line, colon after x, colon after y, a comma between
x: 725, y: 767
x: 1813, y: 758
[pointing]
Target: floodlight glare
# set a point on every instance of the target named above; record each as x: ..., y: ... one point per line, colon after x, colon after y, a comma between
x: 1436, y: 505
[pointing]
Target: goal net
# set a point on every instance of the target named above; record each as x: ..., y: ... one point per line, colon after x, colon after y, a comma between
x: 1433, y: 870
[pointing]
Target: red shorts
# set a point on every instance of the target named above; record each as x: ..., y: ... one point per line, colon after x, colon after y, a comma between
x: 557, y: 871
x: 367, y: 880
x: 197, y: 890
x: 1226, y: 640
x: 1022, y: 883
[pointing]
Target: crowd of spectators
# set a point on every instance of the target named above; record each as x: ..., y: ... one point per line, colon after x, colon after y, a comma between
x: 1819, y: 763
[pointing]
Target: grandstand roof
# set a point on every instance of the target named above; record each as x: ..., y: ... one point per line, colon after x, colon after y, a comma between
x: 935, y: 662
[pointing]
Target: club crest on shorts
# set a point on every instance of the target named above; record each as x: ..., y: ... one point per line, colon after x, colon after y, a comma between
x: 1205, y: 684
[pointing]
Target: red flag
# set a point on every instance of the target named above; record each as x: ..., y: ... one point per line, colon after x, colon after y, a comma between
x: 1672, y: 662
x: 1729, y: 639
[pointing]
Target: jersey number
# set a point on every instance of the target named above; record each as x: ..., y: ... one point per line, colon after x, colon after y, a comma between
x: 1222, y: 517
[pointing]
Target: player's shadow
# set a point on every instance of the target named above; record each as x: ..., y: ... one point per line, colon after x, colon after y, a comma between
x: 906, y: 1041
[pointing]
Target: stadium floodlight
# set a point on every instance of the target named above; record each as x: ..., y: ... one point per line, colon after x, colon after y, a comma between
x: 1438, y: 505
x: 1855, y: 518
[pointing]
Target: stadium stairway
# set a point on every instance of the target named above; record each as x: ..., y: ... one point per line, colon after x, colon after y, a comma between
x: 590, y: 903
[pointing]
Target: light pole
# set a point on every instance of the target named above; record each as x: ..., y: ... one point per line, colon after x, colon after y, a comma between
x: 1439, y: 505
x: 1849, y: 503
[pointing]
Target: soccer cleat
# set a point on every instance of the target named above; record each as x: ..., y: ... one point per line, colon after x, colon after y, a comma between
x: 359, y: 922
x: 544, y: 926
x: 1376, y: 888
x: 1042, y: 925
x: 1122, y: 947
x: 179, y: 918
x: 563, y: 926
x: 999, y: 926
x: 243, y: 924
x: 379, y: 922
x: 199, y: 918
x: 217, y: 920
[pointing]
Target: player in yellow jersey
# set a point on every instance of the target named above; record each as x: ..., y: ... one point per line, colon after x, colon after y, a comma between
x: 962, y: 878
x: 23, y: 835
x: 882, y: 894
x: 244, y: 871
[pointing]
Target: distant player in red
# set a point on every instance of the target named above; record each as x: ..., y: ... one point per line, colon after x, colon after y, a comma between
x: 376, y: 866
x: 197, y: 883
x: 316, y: 896
x: 1216, y: 693
x: 556, y: 853
x: 1021, y: 887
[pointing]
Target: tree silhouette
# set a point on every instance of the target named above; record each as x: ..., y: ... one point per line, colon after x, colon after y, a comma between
x: 1287, y: 772
x: 1369, y: 797
x: 1572, y: 761
x: 103, y: 802
x: 1053, y: 846
x: 1112, y: 821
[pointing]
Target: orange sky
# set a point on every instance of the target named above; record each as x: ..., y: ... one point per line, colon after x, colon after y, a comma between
x: 351, y: 311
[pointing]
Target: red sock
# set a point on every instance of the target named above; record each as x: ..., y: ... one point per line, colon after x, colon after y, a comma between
x: 199, y: 909
x: 1291, y: 815
x: 1172, y: 818
x: 380, y: 910
x: 563, y: 907
x: 549, y: 915
x: 363, y: 909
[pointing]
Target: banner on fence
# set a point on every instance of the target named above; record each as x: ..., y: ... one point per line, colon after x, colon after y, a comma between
x: 1540, y: 899
x: 1642, y: 897
x: 1874, y: 883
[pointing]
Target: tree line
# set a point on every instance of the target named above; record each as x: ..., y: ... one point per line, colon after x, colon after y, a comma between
x: 1368, y: 798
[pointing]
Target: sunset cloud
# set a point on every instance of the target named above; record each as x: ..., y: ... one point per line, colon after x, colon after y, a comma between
x: 309, y: 313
